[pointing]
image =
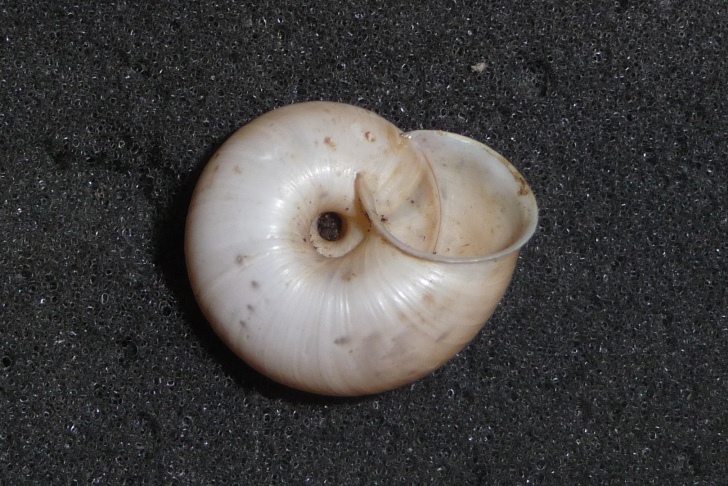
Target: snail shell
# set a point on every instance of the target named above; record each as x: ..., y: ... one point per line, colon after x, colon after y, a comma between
x: 337, y: 255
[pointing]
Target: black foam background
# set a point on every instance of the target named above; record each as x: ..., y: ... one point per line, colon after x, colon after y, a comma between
x: 606, y: 362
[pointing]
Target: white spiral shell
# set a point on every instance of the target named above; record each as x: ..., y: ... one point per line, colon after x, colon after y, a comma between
x: 432, y: 226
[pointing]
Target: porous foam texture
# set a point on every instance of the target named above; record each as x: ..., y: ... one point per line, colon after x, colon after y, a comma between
x: 606, y: 362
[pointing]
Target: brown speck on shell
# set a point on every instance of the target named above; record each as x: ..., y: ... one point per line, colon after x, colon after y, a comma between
x: 428, y: 299
x: 523, y: 190
x: 341, y: 341
x: 330, y: 143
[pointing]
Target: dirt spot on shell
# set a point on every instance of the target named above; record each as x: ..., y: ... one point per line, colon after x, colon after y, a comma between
x: 443, y: 336
x: 523, y: 190
x: 330, y: 143
x: 343, y: 340
x: 369, y: 137
x: 255, y: 284
x: 428, y: 300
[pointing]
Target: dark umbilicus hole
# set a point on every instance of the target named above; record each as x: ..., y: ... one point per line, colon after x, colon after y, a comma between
x: 330, y: 226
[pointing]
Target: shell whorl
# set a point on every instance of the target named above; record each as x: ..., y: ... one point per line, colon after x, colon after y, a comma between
x: 430, y: 228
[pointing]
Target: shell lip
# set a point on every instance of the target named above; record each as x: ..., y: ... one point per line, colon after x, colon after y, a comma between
x: 366, y: 196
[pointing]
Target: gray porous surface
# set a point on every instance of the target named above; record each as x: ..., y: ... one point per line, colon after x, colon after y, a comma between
x: 606, y: 361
